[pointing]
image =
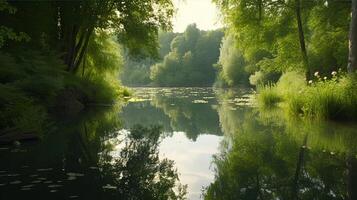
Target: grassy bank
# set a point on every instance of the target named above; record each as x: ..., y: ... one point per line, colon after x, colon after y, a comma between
x: 34, y: 86
x: 331, y: 97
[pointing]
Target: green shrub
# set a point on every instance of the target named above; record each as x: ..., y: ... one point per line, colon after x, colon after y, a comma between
x: 126, y: 92
x: 31, y: 83
x: 330, y: 98
x: 19, y: 112
x: 268, y: 96
x: 264, y: 78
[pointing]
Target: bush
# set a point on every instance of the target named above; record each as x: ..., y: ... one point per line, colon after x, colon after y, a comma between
x: 32, y: 84
x: 330, y: 98
x: 268, y: 96
x: 264, y: 78
x: 19, y: 112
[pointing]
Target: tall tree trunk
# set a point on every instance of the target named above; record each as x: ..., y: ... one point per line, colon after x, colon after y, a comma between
x: 83, y: 50
x: 301, y: 34
x: 75, y: 49
x: 71, y: 47
x: 260, y: 10
x: 352, y: 58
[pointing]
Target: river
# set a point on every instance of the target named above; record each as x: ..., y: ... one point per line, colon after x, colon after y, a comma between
x: 213, y: 144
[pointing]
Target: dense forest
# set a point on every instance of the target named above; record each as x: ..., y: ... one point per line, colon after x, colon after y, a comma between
x: 300, y: 54
x: 186, y: 59
x: 107, y: 99
x: 60, y: 56
x: 273, y: 37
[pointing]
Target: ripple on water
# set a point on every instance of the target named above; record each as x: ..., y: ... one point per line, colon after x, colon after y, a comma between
x: 48, y: 182
x: 28, y: 186
x: 55, y: 186
x: 15, y: 182
x: 45, y: 170
x: 74, y: 174
x: 36, y: 181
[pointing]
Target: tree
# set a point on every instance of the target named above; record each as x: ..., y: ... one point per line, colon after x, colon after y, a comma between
x: 191, y: 58
x: 231, y: 63
x: 67, y: 26
x: 352, y: 58
x: 7, y: 33
x: 277, y: 36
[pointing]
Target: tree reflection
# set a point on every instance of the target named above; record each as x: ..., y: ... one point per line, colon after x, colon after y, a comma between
x: 137, y: 172
x: 269, y: 156
x: 174, y: 110
x: 77, y: 159
x: 193, y: 119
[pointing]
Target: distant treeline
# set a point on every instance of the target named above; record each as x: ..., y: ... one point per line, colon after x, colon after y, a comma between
x: 186, y: 59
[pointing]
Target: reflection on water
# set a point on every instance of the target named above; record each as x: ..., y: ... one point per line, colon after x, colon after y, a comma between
x: 214, y: 142
x: 191, y: 124
x: 190, y: 110
x: 192, y: 159
x: 268, y: 155
x: 76, y: 161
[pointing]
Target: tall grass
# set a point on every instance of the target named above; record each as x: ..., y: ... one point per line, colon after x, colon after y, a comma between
x: 329, y: 98
x: 268, y: 95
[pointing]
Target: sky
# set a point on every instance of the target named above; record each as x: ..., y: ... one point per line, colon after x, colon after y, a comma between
x: 202, y: 12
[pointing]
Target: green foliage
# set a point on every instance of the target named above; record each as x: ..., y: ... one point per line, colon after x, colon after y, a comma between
x: 7, y: 33
x: 31, y: 83
x: 329, y: 36
x: 138, y: 172
x: 67, y: 27
x: 231, y: 63
x: 265, y: 34
x: 264, y: 78
x: 268, y: 95
x: 266, y: 155
x: 136, y: 71
x: 103, y: 55
x: 190, y: 61
x: 330, y: 98
x: 20, y: 112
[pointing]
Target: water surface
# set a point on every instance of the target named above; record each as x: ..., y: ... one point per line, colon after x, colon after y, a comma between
x: 216, y: 142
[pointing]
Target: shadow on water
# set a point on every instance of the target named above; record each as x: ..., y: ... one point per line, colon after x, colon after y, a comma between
x: 75, y: 161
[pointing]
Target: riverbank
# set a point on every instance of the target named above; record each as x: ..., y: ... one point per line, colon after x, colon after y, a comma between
x: 35, y: 86
x: 333, y: 97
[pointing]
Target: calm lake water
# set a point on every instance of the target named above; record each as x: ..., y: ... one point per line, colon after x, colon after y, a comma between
x: 218, y: 143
